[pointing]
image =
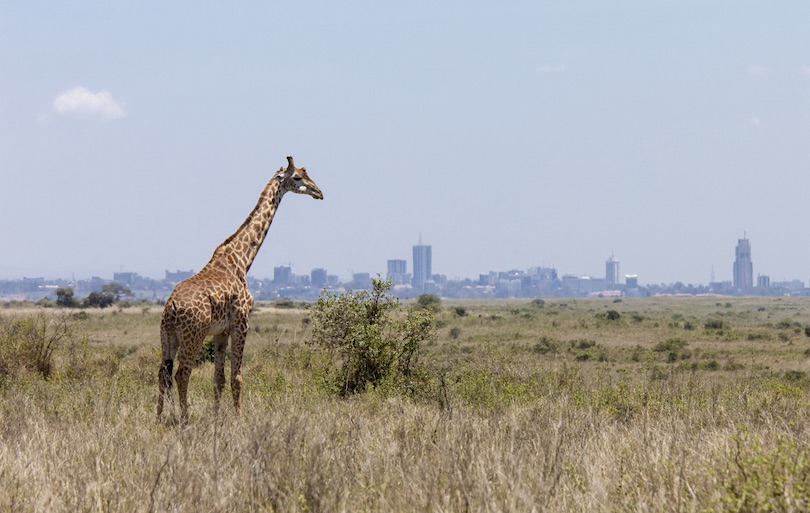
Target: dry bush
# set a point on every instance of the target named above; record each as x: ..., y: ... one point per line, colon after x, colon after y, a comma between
x: 28, y: 343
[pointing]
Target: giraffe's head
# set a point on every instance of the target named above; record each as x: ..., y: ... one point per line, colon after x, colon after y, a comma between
x: 296, y: 179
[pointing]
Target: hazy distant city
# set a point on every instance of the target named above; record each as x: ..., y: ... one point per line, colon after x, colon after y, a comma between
x: 419, y: 279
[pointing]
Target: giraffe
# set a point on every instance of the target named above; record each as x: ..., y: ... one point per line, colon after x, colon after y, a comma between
x: 216, y: 300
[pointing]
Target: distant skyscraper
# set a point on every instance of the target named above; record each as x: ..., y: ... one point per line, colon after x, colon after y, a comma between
x: 318, y: 278
x: 421, y: 265
x: 282, y: 275
x: 397, y: 269
x: 611, y: 273
x: 743, y: 266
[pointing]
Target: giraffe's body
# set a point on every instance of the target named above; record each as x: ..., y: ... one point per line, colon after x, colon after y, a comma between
x: 216, y: 300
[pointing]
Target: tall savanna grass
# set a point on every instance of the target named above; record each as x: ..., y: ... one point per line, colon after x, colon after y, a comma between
x: 516, y: 418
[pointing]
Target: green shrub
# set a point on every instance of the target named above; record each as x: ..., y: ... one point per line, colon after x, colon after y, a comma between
x: 672, y: 344
x: 795, y: 375
x: 430, y: 302
x: 787, y: 324
x: 711, y: 365
x: 714, y: 324
x: 582, y: 343
x: 206, y: 353
x: 765, y: 477
x: 546, y: 345
x: 370, y: 342
x: 610, y: 315
x: 284, y: 303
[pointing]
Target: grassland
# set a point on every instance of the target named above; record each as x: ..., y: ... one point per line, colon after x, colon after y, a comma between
x: 654, y: 404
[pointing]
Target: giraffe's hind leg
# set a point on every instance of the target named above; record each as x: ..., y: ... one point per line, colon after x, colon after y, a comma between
x: 164, y: 384
x: 187, y: 357
x: 169, y: 345
x: 182, y: 378
x: 220, y: 345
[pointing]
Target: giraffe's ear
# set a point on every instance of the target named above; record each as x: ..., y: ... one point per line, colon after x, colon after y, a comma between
x: 280, y: 176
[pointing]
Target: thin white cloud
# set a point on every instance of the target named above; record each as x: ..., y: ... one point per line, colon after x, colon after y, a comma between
x: 804, y: 70
x: 83, y: 103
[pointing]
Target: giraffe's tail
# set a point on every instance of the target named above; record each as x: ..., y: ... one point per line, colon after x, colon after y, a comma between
x: 168, y: 347
x: 168, y: 341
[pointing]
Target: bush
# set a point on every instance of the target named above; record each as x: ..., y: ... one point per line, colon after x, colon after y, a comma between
x: 670, y: 345
x: 29, y: 343
x: 98, y: 300
x: 546, y: 345
x: 369, y: 341
x: 284, y: 303
x: 610, y: 315
x: 430, y: 302
x: 714, y: 324
x: 760, y: 476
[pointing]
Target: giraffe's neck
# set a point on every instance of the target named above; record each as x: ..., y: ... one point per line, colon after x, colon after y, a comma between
x: 239, y: 250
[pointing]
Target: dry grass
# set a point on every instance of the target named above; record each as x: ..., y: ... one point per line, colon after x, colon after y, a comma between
x: 522, y: 423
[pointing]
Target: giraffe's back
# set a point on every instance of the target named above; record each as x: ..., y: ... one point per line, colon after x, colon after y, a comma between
x: 201, y: 304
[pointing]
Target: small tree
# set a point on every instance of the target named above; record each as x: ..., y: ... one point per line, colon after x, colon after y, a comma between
x: 98, y: 300
x: 64, y: 297
x: 369, y: 341
x: 117, y: 291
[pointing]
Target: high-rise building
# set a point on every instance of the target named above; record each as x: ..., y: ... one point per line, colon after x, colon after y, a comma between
x: 743, y: 266
x: 421, y: 265
x: 178, y: 276
x: 282, y: 275
x: 611, y: 273
x: 317, y: 278
x: 397, y: 270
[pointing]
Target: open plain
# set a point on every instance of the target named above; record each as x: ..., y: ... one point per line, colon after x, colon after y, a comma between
x: 632, y: 404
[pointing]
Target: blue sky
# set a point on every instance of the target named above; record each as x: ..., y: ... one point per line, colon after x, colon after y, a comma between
x: 138, y: 136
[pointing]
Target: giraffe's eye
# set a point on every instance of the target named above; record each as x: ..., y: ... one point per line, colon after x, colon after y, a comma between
x: 297, y: 178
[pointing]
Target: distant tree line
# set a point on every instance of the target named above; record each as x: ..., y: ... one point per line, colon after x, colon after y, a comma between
x: 109, y: 294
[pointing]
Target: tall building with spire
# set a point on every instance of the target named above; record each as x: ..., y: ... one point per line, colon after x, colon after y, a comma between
x: 743, y: 266
x: 611, y: 273
x: 421, y: 265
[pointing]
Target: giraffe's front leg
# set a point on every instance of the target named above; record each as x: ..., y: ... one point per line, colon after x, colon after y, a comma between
x: 220, y: 345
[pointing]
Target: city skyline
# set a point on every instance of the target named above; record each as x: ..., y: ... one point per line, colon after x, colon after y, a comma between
x: 515, y: 283
x: 527, y: 134
x: 743, y: 277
